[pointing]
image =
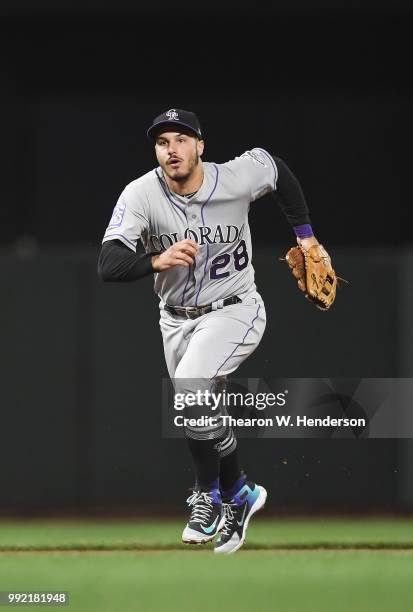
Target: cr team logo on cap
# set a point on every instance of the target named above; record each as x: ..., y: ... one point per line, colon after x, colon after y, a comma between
x: 172, y: 115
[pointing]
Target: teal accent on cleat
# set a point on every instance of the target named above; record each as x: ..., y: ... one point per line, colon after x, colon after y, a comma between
x: 207, y: 517
x: 249, y: 499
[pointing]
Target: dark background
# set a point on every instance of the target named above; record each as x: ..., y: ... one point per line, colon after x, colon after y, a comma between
x: 325, y: 86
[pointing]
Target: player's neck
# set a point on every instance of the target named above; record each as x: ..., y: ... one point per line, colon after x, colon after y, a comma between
x: 190, y: 185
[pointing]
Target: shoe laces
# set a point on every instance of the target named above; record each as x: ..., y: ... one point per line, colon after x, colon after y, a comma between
x: 202, y: 506
x: 229, y: 519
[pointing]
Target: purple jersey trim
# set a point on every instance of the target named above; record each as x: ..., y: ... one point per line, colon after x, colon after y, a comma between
x: 303, y: 231
x: 188, y: 276
x: 203, y: 223
x: 120, y: 236
x: 240, y: 343
x: 272, y: 164
x: 167, y: 193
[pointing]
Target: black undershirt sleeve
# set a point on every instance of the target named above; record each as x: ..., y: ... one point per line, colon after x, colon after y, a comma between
x: 289, y: 195
x: 119, y: 264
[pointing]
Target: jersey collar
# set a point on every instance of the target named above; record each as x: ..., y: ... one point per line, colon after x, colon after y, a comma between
x: 198, y: 195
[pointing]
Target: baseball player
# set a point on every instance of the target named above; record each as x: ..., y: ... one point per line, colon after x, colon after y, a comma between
x: 192, y: 219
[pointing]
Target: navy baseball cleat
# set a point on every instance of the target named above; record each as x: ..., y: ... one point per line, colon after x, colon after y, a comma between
x: 207, y: 517
x: 249, y: 499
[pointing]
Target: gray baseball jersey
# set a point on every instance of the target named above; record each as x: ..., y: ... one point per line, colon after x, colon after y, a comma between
x: 216, y: 217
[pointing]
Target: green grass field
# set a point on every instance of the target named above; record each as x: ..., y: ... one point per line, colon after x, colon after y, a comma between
x: 331, y: 565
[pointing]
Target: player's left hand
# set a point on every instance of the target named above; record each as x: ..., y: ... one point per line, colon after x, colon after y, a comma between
x: 311, y: 265
x: 306, y: 243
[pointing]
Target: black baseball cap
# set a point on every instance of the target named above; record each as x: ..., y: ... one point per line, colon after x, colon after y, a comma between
x: 173, y: 117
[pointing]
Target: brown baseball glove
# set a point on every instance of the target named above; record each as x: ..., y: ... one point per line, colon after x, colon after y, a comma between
x: 315, y: 275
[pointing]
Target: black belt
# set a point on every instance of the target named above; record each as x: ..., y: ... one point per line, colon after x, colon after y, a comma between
x: 195, y: 312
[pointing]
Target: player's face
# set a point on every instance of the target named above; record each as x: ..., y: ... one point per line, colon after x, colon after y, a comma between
x: 178, y: 154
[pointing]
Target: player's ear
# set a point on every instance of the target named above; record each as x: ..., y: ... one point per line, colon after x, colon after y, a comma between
x: 200, y: 146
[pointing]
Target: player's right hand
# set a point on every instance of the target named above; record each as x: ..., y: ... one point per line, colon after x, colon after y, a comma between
x: 181, y: 253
